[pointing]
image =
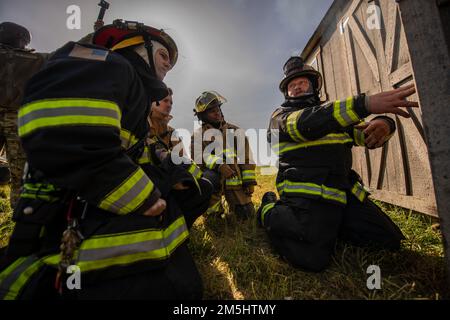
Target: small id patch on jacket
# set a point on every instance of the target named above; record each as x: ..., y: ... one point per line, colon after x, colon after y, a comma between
x: 88, y: 53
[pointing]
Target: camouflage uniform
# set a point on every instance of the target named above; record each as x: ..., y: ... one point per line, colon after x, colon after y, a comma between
x: 17, y: 67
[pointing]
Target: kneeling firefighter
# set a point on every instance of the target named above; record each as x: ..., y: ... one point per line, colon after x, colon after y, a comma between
x: 191, y: 186
x: 92, y: 198
x: 236, y: 168
x: 321, y: 197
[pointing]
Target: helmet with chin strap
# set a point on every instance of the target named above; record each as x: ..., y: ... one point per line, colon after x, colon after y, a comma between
x: 122, y: 34
x: 294, y: 68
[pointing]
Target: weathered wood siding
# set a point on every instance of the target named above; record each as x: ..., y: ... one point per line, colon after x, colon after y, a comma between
x: 355, y: 58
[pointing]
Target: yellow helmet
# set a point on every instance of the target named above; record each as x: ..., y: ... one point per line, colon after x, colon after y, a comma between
x: 207, y: 100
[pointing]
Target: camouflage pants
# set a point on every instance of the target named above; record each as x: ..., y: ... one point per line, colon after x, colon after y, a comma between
x: 9, y: 139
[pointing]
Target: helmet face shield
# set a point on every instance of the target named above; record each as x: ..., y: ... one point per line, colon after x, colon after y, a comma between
x: 207, y: 100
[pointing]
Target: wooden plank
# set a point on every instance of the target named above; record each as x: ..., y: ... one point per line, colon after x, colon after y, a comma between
x: 427, y: 206
x: 390, y: 34
x: 341, y: 79
x: 329, y: 72
x: 368, y: 53
x: 323, y: 93
x: 351, y: 9
x: 350, y: 62
x: 399, y: 75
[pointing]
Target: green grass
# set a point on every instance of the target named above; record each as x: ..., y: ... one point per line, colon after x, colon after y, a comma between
x: 237, y: 262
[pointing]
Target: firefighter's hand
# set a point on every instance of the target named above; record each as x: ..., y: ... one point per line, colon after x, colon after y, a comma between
x: 249, y: 189
x: 98, y: 24
x: 156, y: 209
x: 376, y: 132
x: 392, y: 101
x: 226, y: 171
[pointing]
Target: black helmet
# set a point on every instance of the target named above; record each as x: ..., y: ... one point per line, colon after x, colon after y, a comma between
x: 14, y: 35
x: 294, y: 68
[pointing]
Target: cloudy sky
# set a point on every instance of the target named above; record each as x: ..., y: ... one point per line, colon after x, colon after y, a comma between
x: 236, y: 47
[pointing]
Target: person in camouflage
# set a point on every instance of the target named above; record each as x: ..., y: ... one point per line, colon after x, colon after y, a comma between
x: 18, y: 64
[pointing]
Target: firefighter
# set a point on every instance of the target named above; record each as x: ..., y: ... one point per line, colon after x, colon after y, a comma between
x: 18, y: 64
x: 321, y: 198
x: 237, y: 175
x: 92, y: 198
x: 192, y: 199
x: 158, y: 120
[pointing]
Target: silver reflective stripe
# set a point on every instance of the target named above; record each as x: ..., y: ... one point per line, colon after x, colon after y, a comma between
x: 294, y: 188
x: 130, y: 195
x: 128, y: 249
x: 10, y: 279
x: 334, y: 195
x: 343, y: 112
x: 68, y: 111
x: 359, y: 137
x: 328, y: 139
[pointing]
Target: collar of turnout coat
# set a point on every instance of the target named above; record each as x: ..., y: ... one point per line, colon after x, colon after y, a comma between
x: 302, y: 102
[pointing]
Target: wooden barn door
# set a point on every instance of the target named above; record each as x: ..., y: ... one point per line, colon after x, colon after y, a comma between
x: 377, y: 59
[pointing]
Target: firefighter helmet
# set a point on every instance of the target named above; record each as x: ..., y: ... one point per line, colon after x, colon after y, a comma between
x: 294, y: 68
x: 14, y: 35
x: 121, y: 34
x: 208, y: 100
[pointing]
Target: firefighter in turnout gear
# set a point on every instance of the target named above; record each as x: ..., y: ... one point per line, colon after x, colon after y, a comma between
x: 159, y: 118
x: 237, y: 171
x: 17, y: 65
x: 162, y: 142
x: 92, y: 197
x: 321, y: 198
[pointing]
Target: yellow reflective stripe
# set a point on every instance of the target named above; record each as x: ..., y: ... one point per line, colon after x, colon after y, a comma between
x: 195, y: 171
x: 127, y: 138
x: 160, y: 245
x: 344, y: 113
x: 146, y: 156
x: 39, y: 191
x: 63, y: 112
x: 359, y: 192
x: 264, y: 211
x: 233, y: 181
x: 292, y: 128
x: 248, y: 175
x: 211, y: 161
x: 118, y: 239
x: 229, y: 153
x: 16, y: 276
x: 217, y: 207
x: 129, y: 195
x: 308, y: 188
x: 5, y: 273
x: 359, y: 137
x: 128, y: 42
x: 332, y: 138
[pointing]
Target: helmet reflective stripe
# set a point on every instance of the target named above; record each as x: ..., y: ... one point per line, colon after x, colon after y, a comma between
x: 204, y: 101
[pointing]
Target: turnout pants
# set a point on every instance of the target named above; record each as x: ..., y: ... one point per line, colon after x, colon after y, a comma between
x: 304, y: 231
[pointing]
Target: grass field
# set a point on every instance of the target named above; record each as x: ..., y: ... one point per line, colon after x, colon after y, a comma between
x: 237, y: 262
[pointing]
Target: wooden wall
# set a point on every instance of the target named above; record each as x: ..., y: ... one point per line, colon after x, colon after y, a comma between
x: 355, y: 58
